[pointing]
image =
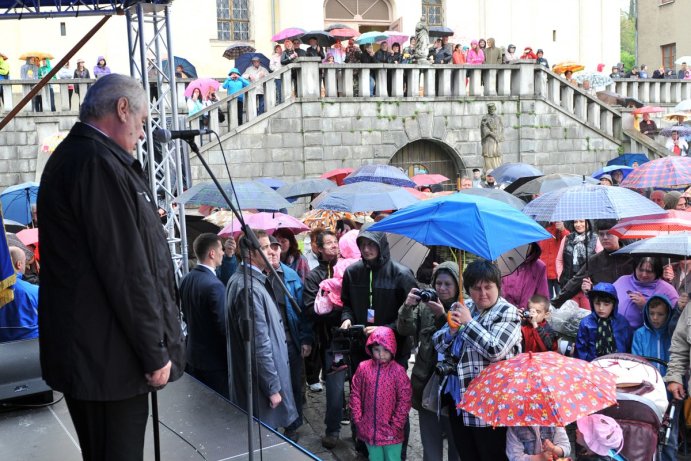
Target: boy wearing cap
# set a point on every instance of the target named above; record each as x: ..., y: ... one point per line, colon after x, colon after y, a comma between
x: 604, y: 331
x: 599, y: 437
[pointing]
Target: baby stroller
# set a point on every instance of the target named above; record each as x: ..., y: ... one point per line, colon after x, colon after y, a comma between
x: 642, y: 410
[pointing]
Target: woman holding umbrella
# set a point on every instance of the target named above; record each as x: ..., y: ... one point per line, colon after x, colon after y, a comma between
x: 484, y: 330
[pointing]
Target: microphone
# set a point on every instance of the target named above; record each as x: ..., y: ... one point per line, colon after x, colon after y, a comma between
x: 165, y: 136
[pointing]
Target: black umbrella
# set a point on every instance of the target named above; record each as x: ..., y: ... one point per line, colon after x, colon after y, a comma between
x: 337, y: 26
x: 233, y: 51
x: 322, y: 36
x: 187, y: 67
x: 518, y: 183
x: 243, y: 61
x: 440, y: 31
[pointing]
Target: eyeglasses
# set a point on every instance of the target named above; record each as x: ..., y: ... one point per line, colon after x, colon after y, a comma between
x: 604, y: 235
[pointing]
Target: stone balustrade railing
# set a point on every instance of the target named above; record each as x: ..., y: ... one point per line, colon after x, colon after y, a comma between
x: 657, y: 92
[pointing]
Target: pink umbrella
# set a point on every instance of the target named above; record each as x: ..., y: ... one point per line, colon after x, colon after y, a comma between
x: 204, y: 85
x: 290, y: 33
x: 394, y: 36
x: 28, y: 236
x: 427, y: 179
x: 267, y: 221
x: 344, y: 34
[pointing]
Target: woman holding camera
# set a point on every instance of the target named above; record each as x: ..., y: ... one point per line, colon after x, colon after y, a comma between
x: 421, y: 316
x: 484, y: 330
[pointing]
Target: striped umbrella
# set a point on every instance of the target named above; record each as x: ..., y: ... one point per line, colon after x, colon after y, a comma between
x: 386, y: 174
x: 669, y: 171
x: 643, y: 227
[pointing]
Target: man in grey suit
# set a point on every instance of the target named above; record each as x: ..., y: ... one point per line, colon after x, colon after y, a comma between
x: 203, y: 300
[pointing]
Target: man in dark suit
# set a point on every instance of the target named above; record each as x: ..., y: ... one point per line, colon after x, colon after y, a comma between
x: 203, y: 299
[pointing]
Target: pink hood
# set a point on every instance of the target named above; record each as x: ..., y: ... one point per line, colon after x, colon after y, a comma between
x: 350, y: 253
x: 384, y: 336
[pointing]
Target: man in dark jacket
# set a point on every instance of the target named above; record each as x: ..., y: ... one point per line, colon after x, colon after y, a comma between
x: 601, y: 267
x: 109, y: 322
x: 203, y: 299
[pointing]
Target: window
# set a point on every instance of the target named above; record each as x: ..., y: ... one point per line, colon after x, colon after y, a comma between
x: 432, y: 10
x: 363, y: 11
x: 669, y: 53
x: 233, y: 20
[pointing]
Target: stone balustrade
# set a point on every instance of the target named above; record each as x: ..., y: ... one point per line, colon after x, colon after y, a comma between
x: 657, y: 92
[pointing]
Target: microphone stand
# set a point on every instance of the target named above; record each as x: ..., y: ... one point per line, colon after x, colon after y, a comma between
x: 246, y: 326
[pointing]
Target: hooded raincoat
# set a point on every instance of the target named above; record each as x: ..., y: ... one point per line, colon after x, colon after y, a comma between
x: 233, y: 86
x: 100, y: 71
x: 632, y: 312
x: 380, y: 395
x: 654, y: 342
x: 587, y: 331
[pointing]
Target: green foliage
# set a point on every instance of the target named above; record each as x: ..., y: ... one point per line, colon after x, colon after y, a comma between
x: 628, y: 59
x: 627, y: 33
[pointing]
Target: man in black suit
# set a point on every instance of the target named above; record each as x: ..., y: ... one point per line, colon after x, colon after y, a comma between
x: 203, y: 299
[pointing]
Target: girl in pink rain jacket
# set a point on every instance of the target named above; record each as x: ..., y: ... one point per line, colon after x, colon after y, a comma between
x: 380, y: 397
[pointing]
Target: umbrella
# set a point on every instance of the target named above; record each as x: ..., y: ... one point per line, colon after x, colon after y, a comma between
x: 496, y: 194
x: 676, y: 116
x: 669, y: 171
x: 395, y: 37
x: 684, y: 106
x: 28, y: 236
x: 252, y: 195
x: 12, y: 226
x: 187, y: 67
x: 643, y: 227
x: 204, y: 85
x: 35, y: 54
x: 337, y: 25
x: 625, y: 170
x: 291, y: 33
x: 683, y: 59
x: 13, y: 241
x: 387, y: 174
x: 406, y: 251
x: 337, y: 175
x: 596, y: 79
x: 545, y: 389
x: 234, y: 51
x: 440, y: 31
x: 306, y: 187
x: 221, y: 218
x: 243, y: 61
x: 370, y: 37
x: 508, y: 262
x: 322, y: 36
x: 271, y: 182
x: 610, y: 97
x: 480, y: 225
x: 49, y: 144
x: 344, y: 33
x: 562, y: 67
x: 267, y: 221
x: 364, y: 196
x: 17, y: 200
x: 683, y: 130
x: 511, y: 188
x: 648, y: 110
x: 428, y: 179
x: 327, y: 218
x: 671, y: 246
x: 629, y: 159
x: 552, y: 182
x: 509, y: 172
x: 588, y: 201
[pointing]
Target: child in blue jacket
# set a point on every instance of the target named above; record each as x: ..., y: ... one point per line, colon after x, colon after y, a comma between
x: 653, y: 338
x: 604, y: 331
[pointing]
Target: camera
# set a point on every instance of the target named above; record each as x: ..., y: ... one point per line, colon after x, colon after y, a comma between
x: 527, y: 315
x: 446, y: 367
x: 344, y: 340
x: 427, y: 295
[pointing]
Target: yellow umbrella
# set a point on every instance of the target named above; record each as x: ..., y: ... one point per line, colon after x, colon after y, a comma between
x: 567, y: 65
x: 327, y: 218
x: 51, y: 142
x: 676, y: 117
x: 36, y: 54
x: 222, y: 218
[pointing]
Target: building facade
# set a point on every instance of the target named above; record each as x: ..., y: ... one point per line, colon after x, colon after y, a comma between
x: 662, y: 38
x: 586, y: 30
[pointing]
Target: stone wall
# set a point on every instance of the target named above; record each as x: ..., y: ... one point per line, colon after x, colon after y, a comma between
x: 305, y: 139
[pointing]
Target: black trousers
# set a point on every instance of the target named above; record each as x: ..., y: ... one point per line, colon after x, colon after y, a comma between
x: 477, y: 443
x: 110, y: 431
x: 215, y: 379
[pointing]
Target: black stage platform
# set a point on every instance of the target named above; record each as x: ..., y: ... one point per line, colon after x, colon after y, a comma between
x: 196, y: 424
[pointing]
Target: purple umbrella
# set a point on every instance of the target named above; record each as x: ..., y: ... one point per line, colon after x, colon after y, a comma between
x: 291, y: 33
x: 395, y: 37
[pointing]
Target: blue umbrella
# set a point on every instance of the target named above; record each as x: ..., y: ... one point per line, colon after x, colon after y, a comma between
x: 480, y: 225
x: 271, y: 182
x: 371, y: 37
x: 588, y: 201
x: 17, y: 200
x: 187, y: 67
x: 364, y: 196
x: 625, y: 170
x: 243, y: 61
x: 509, y: 172
x: 252, y: 195
x: 629, y: 159
x: 380, y: 173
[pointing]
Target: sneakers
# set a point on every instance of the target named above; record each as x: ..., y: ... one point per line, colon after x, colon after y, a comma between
x: 316, y: 387
x: 329, y: 441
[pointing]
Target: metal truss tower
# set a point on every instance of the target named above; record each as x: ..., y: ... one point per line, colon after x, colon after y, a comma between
x: 152, y: 62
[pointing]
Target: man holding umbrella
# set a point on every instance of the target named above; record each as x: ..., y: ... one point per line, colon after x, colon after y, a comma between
x: 254, y: 73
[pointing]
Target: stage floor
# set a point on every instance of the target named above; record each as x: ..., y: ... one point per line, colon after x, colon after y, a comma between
x: 196, y: 424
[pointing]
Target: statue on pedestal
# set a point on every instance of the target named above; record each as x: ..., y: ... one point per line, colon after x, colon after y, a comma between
x: 421, y: 42
x: 492, y: 133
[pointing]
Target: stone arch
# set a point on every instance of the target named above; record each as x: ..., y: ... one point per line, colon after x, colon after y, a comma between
x: 428, y: 155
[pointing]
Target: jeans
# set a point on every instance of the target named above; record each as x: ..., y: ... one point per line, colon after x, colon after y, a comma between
x: 431, y: 429
x: 335, y: 384
x: 278, y: 91
x: 553, y: 288
x: 260, y: 104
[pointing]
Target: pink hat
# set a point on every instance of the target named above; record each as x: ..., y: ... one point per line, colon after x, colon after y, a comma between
x: 601, y: 433
x: 473, y: 42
